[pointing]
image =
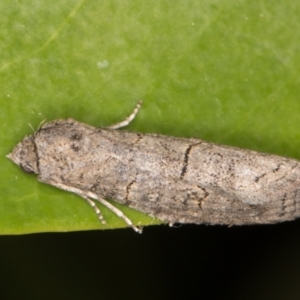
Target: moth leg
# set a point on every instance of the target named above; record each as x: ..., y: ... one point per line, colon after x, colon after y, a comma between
x: 128, y: 119
x: 96, y: 209
x: 115, y: 210
x: 86, y: 195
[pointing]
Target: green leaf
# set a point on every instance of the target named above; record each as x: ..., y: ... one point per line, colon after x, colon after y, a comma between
x: 222, y: 71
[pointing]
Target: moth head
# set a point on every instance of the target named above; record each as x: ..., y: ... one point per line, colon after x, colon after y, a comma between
x: 25, y: 156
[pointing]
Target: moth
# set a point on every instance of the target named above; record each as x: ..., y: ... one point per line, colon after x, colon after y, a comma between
x: 177, y: 180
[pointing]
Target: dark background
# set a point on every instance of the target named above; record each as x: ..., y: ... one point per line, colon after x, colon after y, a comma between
x: 185, y: 262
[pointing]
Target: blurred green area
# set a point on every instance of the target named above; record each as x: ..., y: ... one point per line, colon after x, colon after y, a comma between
x: 222, y: 71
